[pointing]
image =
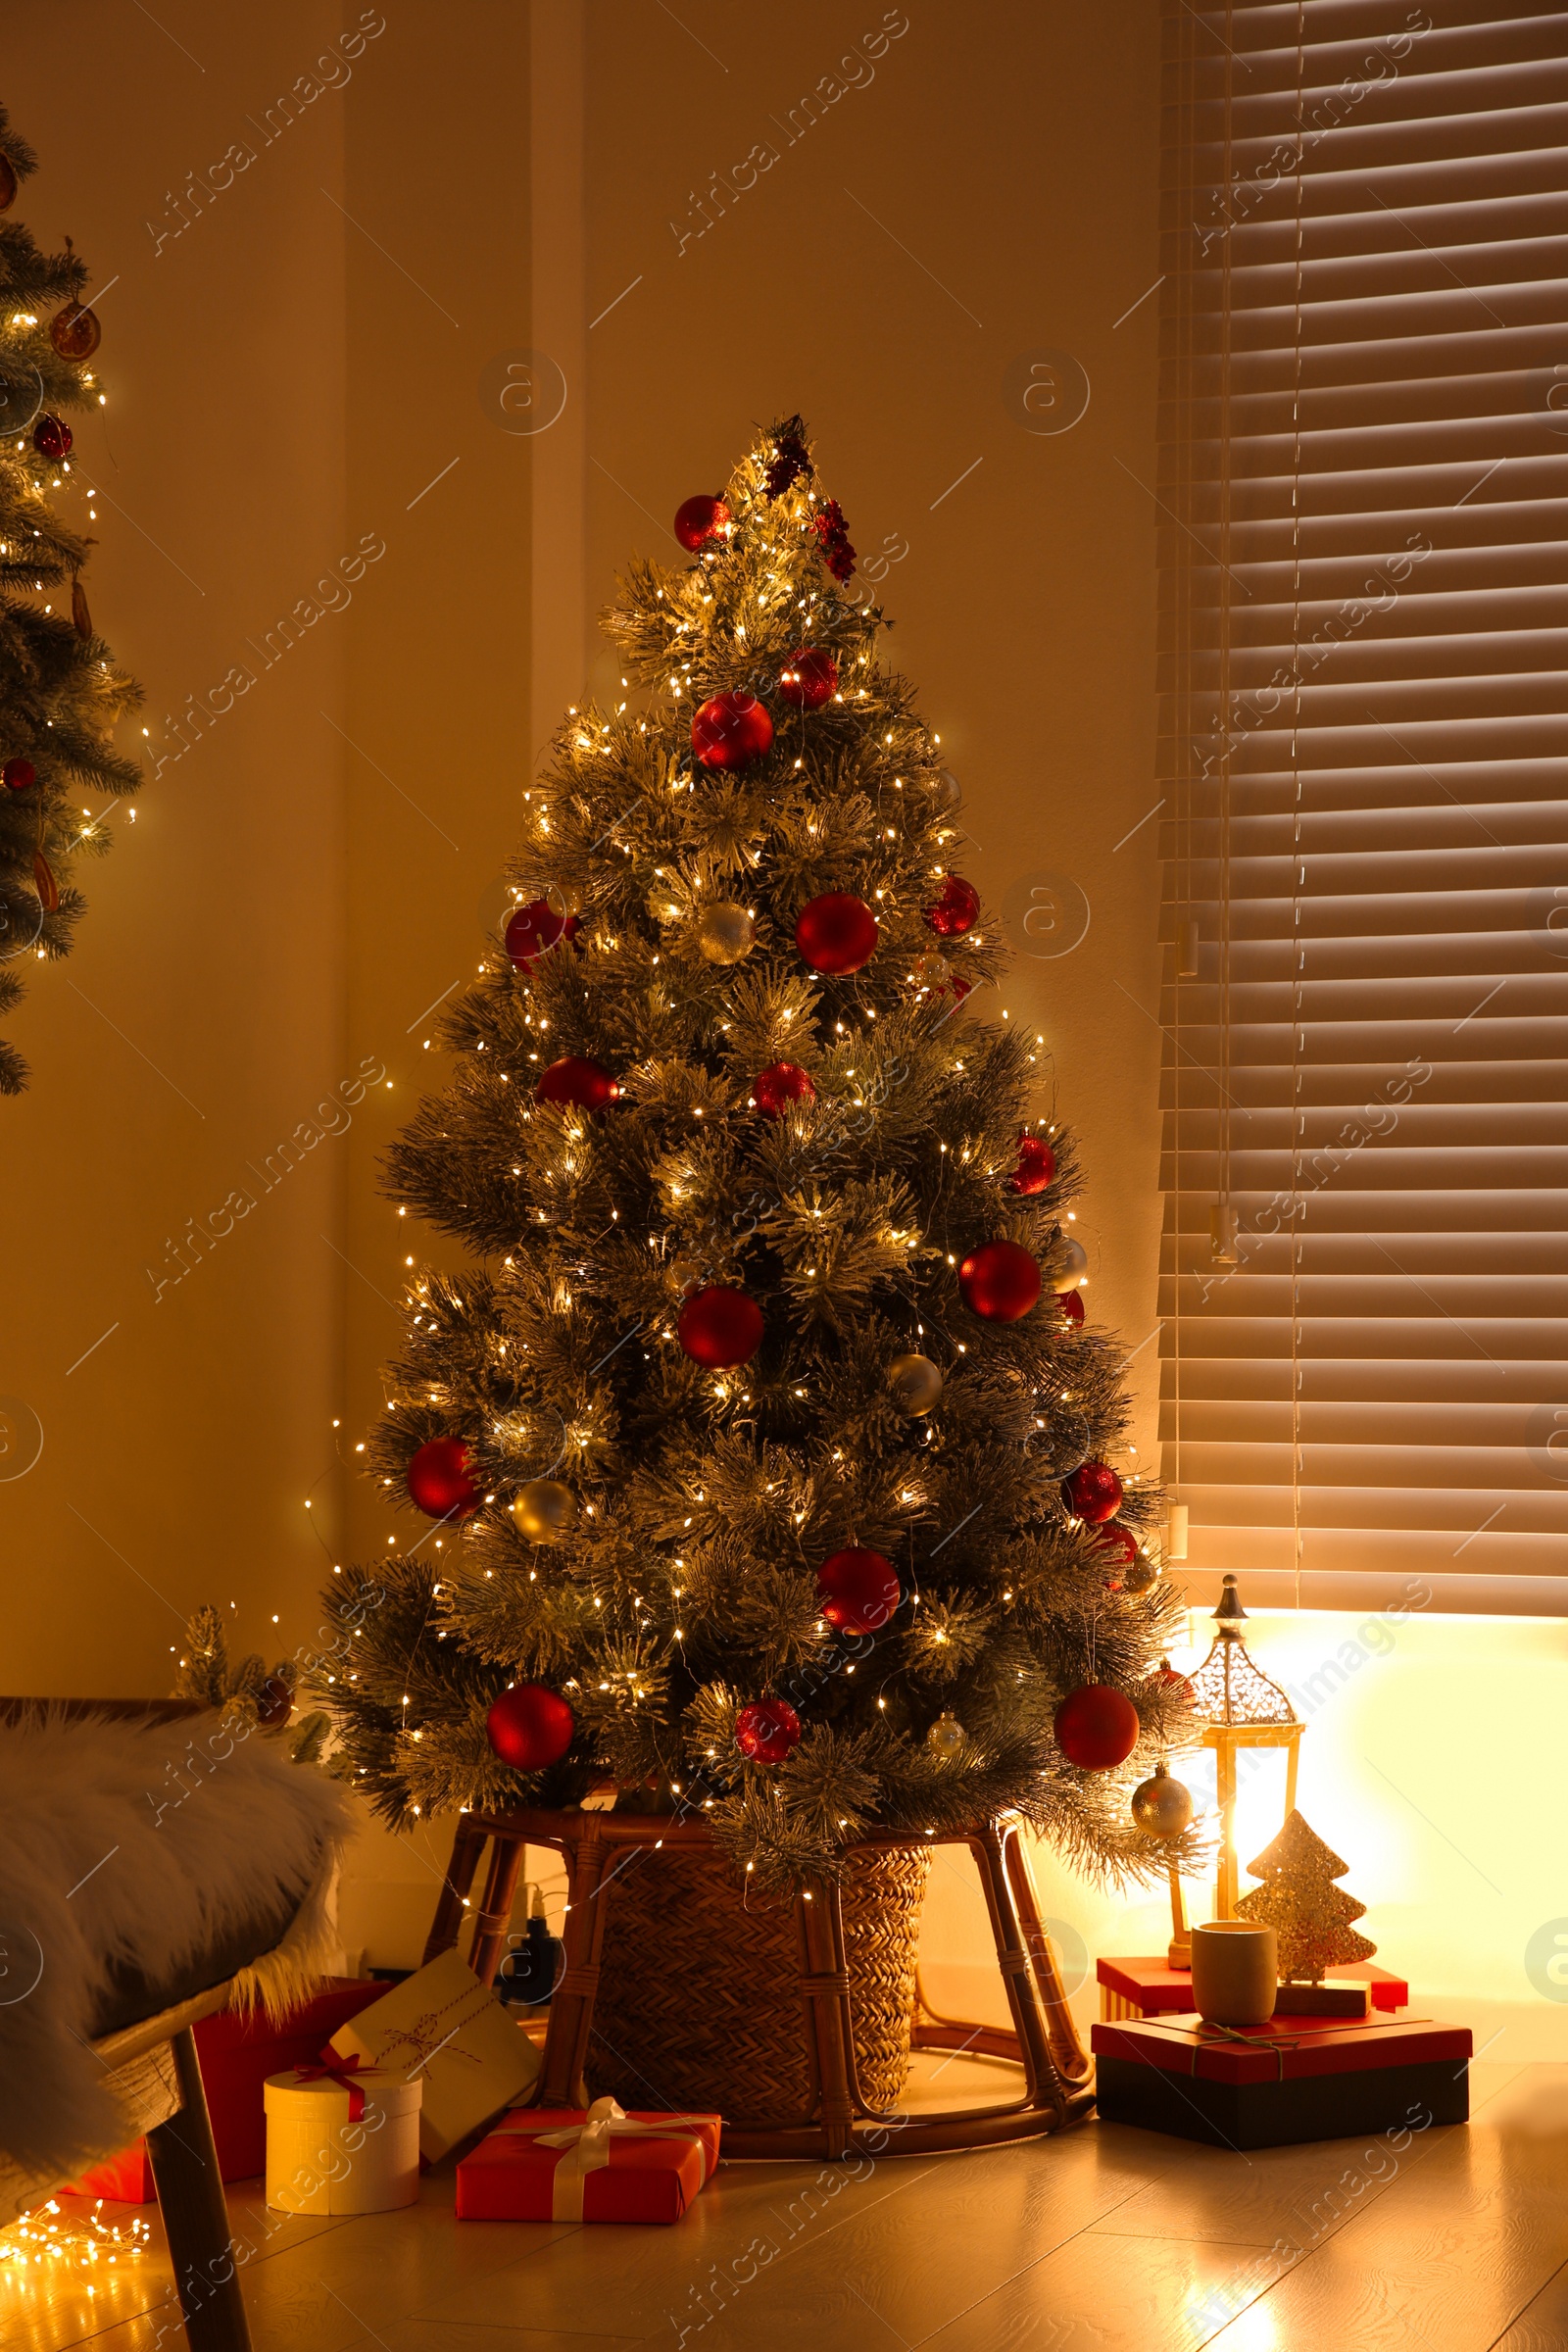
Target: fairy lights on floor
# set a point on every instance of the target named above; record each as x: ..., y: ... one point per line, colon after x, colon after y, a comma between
x: 41, y: 2240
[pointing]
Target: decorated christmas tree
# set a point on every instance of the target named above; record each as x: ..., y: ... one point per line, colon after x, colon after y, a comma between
x: 59, y: 691
x: 772, y: 1455
x: 1300, y: 1900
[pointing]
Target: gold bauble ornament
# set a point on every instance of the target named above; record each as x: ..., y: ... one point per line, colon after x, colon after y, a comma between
x: 1161, y: 1805
x: 725, y: 932
x: 932, y: 971
x: 1139, y: 1574
x: 947, y: 1735
x: 544, y: 1510
x: 915, y: 1383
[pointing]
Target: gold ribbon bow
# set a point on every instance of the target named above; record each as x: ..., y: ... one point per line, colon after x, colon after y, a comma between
x: 586, y: 2147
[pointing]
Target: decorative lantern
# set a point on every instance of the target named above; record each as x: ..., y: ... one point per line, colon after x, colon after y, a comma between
x: 1245, y: 1709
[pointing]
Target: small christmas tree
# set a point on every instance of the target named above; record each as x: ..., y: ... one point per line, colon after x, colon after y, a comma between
x: 1300, y: 1900
x: 750, y: 1430
x: 59, y: 691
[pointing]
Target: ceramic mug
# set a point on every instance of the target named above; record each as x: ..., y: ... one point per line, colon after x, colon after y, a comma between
x: 1235, y: 1971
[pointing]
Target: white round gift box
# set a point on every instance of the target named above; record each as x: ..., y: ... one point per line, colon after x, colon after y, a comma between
x: 320, y: 2159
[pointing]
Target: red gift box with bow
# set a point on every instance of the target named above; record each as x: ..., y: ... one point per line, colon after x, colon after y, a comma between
x: 544, y: 2164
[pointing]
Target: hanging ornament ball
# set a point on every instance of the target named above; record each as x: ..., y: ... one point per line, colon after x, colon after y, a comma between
x: 1072, y: 1305
x: 1093, y: 1494
x: 699, y: 518
x: 20, y: 774
x: 274, y: 1703
x: 530, y: 1726
x: 577, y: 1080
x: 1162, y: 1805
x: 945, y: 790
x: 947, y: 1735
x: 75, y: 332
x: 725, y: 932
x: 51, y: 438
x: 7, y: 184
x: 720, y: 1328
x: 543, y: 1510
x: 731, y: 730
x: 536, y: 927
x: 858, y: 1590
x: 1118, y: 1544
x: 809, y: 678
x: 1140, y: 1573
x: 955, y: 910
x: 1074, y: 1266
x: 1176, y: 1687
x: 766, y: 1730
x: 1037, y: 1166
x: 915, y: 1383
x: 932, y: 971
x: 439, y: 1480
x: 779, y: 1088
x: 836, y: 933
x: 998, y: 1281
x: 1097, y: 1727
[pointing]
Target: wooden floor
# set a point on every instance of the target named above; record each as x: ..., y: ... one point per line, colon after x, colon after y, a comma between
x: 1105, y: 2241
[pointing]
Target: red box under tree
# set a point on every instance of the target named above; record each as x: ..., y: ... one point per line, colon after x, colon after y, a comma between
x: 237, y: 2053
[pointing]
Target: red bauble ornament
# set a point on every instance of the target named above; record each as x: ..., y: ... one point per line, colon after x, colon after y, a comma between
x: 1118, y: 1548
x: 998, y: 1281
x: 536, y: 927
x: 274, y: 1703
x: 1094, y: 1493
x: 1037, y: 1166
x: 577, y: 1079
x: 530, y: 1726
x: 75, y: 332
x: 955, y: 910
x: 1097, y: 1727
x: 780, y: 1085
x: 858, y: 1590
x: 731, y: 730
x: 766, y: 1730
x: 20, y: 774
x: 1070, y: 1306
x: 699, y: 518
x: 51, y: 438
x: 439, y: 1480
x: 836, y: 933
x: 1175, y: 1685
x: 720, y: 1328
x: 809, y: 677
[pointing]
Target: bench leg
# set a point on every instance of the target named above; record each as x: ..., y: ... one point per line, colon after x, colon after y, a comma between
x: 201, y: 2245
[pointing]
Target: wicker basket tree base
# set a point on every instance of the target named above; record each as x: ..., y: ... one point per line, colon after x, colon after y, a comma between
x: 793, y: 2021
x: 698, y: 2003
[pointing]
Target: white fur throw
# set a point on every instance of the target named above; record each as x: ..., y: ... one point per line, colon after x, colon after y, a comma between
x: 142, y: 1846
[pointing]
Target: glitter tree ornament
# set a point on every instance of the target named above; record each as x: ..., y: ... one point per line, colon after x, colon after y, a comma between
x: 1299, y: 1899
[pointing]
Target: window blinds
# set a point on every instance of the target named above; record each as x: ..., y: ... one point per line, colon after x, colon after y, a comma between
x: 1364, y: 456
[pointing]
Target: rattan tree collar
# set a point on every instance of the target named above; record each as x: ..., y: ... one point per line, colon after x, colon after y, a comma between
x: 814, y: 2101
